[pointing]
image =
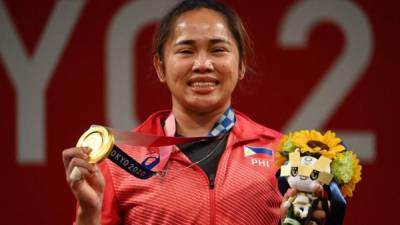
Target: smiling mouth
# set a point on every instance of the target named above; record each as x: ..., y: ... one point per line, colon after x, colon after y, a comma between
x: 205, y: 84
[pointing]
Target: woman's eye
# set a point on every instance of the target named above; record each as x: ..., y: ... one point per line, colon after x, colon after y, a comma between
x: 185, y: 51
x: 218, y: 50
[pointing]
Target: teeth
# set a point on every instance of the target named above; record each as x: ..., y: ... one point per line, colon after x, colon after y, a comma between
x: 203, y: 84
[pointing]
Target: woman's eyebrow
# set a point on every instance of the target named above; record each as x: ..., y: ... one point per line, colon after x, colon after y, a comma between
x: 211, y: 41
x: 219, y: 40
x: 185, y: 42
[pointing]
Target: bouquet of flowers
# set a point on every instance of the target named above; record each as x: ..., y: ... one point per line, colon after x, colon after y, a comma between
x: 307, y: 158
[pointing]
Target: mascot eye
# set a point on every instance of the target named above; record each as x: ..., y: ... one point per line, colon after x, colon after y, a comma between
x: 314, y: 175
x: 294, y: 171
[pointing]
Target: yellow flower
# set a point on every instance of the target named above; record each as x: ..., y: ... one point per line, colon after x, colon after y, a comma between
x: 312, y: 141
x: 348, y: 188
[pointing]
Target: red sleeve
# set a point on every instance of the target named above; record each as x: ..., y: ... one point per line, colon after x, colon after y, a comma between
x: 110, y: 213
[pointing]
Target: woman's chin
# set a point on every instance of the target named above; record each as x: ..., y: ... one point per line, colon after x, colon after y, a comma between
x: 206, y: 105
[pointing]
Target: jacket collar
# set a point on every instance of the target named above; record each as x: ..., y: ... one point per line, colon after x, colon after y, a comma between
x: 154, y: 123
x: 244, y: 129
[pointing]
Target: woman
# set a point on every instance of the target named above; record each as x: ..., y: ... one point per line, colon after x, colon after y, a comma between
x: 200, y: 54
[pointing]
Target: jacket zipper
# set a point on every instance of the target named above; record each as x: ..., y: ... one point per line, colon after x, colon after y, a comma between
x: 211, y: 186
x: 211, y: 182
x: 211, y: 179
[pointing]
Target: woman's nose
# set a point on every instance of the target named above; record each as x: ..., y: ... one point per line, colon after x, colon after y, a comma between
x: 203, y: 64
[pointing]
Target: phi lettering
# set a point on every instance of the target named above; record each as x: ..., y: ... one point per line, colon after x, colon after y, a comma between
x: 260, y: 162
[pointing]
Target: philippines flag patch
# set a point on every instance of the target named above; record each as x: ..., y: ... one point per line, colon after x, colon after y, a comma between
x: 257, y: 151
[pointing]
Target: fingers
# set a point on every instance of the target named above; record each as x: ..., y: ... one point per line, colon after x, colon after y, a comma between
x: 75, y: 175
x: 319, y: 192
x: 321, y: 212
x: 79, y: 168
x: 289, y: 193
x: 86, y: 167
x: 76, y: 164
x: 323, y: 207
x: 324, y: 204
x: 286, y: 201
x: 311, y: 222
x: 80, y: 175
x: 319, y: 215
x: 69, y: 154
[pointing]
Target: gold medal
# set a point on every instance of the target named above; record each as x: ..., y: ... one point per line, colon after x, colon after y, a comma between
x: 100, y: 140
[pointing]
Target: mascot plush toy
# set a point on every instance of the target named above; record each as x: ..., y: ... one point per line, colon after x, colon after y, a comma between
x: 308, y: 159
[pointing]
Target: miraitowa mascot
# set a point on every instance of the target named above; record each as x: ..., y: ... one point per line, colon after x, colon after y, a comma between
x: 308, y: 159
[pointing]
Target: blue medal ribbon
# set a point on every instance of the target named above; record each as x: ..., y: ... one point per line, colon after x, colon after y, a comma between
x: 130, y: 165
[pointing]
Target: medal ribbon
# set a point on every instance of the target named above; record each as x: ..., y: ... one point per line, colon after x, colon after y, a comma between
x: 155, y: 163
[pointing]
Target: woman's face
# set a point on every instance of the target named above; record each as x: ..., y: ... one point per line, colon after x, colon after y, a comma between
x: 201, y: 62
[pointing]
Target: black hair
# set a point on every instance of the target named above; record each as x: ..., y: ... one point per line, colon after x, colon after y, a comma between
x: 234, y: 23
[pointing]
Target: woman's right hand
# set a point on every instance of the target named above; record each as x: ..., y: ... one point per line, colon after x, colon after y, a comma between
x: 88, y: 187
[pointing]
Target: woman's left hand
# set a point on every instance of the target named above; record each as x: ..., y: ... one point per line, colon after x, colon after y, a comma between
x: 318, y: 216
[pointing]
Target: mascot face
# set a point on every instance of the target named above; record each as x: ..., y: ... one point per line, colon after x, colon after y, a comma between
x: 303, y: 177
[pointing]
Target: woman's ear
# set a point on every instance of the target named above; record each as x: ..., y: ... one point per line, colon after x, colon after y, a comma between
x: 242, y: 70
x: 159, y: 67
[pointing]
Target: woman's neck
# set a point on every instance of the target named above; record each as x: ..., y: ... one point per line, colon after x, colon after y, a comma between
x: 195, y: 124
